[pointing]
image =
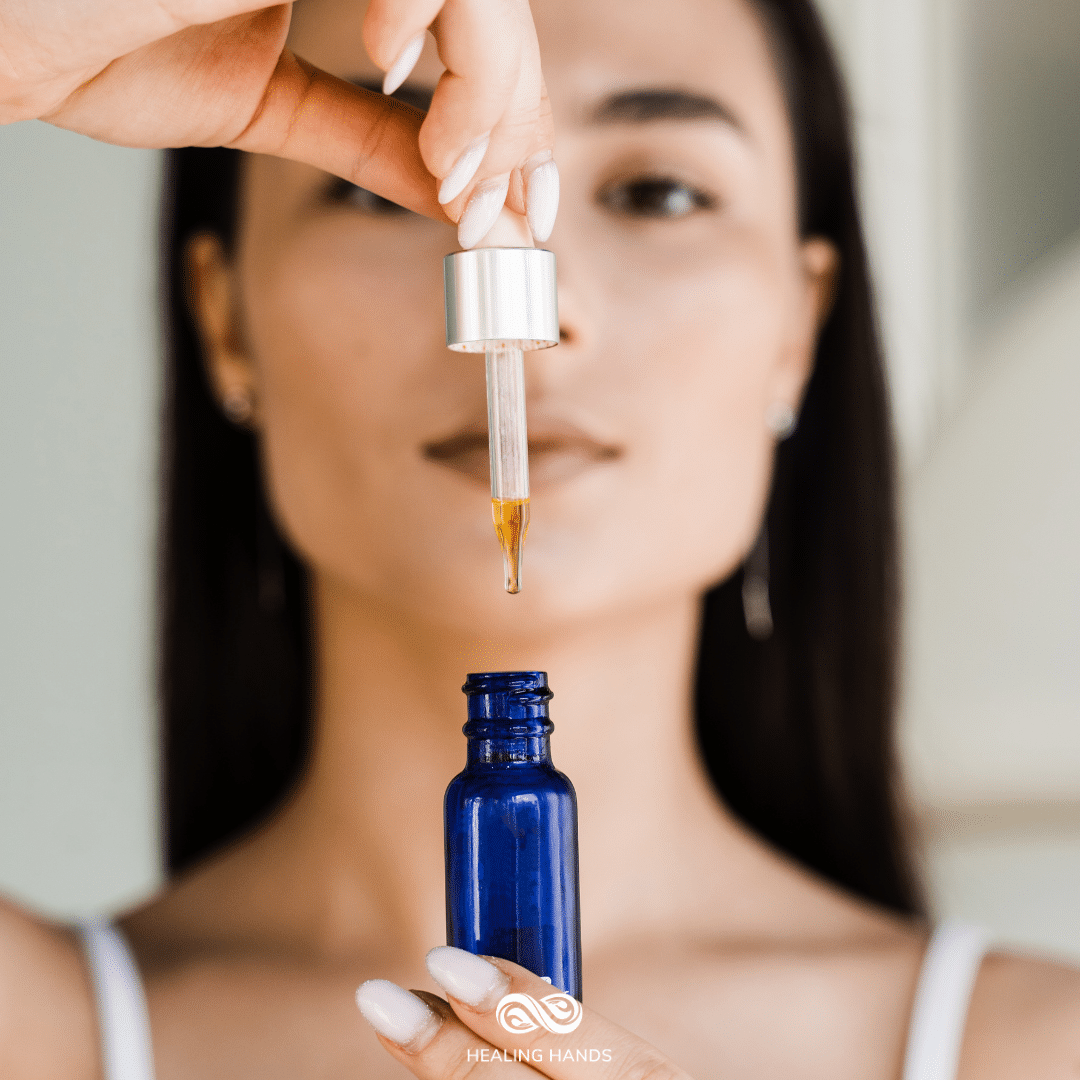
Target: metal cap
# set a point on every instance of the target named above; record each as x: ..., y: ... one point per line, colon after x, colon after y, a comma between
x: 500, y: 297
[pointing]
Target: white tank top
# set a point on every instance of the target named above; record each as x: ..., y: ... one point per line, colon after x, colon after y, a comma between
x: 935, y: 1033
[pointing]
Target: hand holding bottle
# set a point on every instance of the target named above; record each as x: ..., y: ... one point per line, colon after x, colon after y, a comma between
x: 218, y: 73
x: 500, y: 1013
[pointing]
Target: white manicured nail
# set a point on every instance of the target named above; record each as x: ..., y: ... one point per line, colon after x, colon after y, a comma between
x: 542, y: 197
x: 464, y: 168
x: 404, y: 64
x: 482, y: 210
x: 400, y: 1016
x: 465, y: 976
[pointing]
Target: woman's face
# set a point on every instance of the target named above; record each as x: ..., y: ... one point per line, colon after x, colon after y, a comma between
x: 688, y: 306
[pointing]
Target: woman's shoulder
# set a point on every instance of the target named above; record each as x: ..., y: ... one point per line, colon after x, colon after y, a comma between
x: 1024, y: 1020
x: 47, y: 1021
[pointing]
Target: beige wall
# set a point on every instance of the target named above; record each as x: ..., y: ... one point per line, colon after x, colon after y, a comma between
x: 968, y: 116
x: 992, y: 709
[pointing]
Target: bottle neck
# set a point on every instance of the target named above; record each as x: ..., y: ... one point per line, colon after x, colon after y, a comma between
x: 508, y: 717
x: 502, y: 741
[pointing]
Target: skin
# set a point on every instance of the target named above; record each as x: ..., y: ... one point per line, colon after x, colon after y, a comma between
x: 219, y: 73
x: 679, y: 333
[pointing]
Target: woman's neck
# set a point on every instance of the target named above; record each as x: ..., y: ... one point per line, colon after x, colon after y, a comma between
x: 352, y: 865
x: 389, y: 740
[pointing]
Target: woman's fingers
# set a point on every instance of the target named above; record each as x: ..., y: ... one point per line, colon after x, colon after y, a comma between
x: 402, y: 67
x: 233, y: 83
x: 405, y: 1018
x: 507, y: 1005
x: 217, y: 73
x: 504, y: 1017
x: 434, y: 1044
x: 492, y: 87
x: 394, y: 32
x: 489, y: 116
x: 51, y: 49
x: 541, y: 193
x: 369, y: 139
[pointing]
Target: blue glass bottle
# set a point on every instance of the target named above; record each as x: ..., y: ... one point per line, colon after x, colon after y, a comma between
x: 511, y: 834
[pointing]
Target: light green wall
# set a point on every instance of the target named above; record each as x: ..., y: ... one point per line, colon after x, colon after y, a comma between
x: 78, y: 388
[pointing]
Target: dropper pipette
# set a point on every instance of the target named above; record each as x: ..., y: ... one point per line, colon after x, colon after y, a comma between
x: 501, y: 300
x: 508, y: 451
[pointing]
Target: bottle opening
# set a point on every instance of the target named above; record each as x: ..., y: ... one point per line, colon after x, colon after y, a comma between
x: 507, y: 695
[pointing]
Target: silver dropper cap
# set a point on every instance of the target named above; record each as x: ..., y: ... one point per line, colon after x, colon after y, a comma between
x: 500, y: 297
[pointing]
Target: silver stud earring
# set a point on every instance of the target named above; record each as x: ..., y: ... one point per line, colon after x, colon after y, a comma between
x: 780, y: 419
x: 238, y: 406
x: 755, y: 589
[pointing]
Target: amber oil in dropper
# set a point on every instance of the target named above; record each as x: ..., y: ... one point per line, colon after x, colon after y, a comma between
x: 511, y: 517
x: 501, y: 299
x: 508, y: 451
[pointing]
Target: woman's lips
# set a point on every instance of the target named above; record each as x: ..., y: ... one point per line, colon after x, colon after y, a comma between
x: 555, y: 454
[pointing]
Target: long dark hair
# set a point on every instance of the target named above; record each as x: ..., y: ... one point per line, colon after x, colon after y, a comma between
x: 796, y: 730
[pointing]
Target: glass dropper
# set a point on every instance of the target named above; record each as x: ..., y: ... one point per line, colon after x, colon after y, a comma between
x: 508, y: 452
x: 501, y: 300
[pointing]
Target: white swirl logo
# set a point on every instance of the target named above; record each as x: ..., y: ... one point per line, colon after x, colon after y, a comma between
x: 558, y: 1013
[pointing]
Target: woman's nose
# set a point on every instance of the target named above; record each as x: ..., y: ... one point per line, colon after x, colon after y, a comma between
x: 551, y: 369
x: 579, y: 300
x: 573, y: 331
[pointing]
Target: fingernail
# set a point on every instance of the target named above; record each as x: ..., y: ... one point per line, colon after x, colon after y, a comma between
x: 404, y: 64
x: 400, y: 1016
x: 482, y: 210
x: 465, y: 976
x: 542, y: 197
x: 464, y: 168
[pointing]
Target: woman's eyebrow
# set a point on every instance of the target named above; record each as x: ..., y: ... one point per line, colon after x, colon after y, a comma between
x: 419, y: 97
x: 648, y: 104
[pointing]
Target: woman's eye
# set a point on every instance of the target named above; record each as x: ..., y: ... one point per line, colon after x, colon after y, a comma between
x: 367, y: 202
x: 656, y: 197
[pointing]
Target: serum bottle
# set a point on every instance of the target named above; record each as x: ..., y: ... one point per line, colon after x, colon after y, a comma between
x: 511, y: 835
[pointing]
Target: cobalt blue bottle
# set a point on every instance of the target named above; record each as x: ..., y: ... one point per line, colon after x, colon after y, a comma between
x: 511, y: 835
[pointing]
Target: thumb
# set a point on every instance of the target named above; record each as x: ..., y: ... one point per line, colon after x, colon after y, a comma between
x: 233, y: 83
x: 371, y: 140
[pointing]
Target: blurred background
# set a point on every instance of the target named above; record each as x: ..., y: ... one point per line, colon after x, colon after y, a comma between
x: 968, y: 117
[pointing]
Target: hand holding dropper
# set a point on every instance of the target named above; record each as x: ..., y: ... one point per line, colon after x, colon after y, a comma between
x: 220, y: 73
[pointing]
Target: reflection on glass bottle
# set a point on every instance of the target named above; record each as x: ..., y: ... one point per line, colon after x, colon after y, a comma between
x: 511, y: 835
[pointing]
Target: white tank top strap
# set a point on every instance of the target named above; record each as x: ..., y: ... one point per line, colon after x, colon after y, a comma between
x: 126, y: 1049
x: 939, y: 1014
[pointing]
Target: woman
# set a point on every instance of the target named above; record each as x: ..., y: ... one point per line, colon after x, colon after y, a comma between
x: 331, y: 575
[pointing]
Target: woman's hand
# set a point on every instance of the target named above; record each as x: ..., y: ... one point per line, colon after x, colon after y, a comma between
x: 217, y: 73
x: 497, y: 1014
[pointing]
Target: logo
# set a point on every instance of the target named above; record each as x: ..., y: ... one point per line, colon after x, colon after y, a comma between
x: 558, y: 1013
